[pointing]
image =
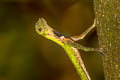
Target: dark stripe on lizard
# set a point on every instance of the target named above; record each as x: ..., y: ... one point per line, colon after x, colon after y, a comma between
x: 60, y: 35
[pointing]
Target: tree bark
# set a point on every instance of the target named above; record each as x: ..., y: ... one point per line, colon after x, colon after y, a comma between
x: 107, y: 14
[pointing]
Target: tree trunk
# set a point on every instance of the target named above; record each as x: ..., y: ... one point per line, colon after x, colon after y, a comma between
x: 107, y: 14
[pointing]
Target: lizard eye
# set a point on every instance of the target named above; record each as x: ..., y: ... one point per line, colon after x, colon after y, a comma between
x: 40, y: 29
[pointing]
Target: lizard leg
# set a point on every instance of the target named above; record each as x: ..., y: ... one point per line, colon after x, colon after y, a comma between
x: 81, y: 36
x: 84, y: 48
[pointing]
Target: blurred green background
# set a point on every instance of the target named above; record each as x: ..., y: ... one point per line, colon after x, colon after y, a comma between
x: 25, y: 55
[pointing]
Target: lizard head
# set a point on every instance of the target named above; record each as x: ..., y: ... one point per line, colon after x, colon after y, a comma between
x: 41, y: 27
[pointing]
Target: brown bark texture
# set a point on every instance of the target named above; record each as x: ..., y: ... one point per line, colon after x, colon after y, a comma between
x: 107, y: 14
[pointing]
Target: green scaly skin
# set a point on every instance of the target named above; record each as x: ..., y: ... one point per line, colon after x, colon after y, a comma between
x: 43, y: 29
